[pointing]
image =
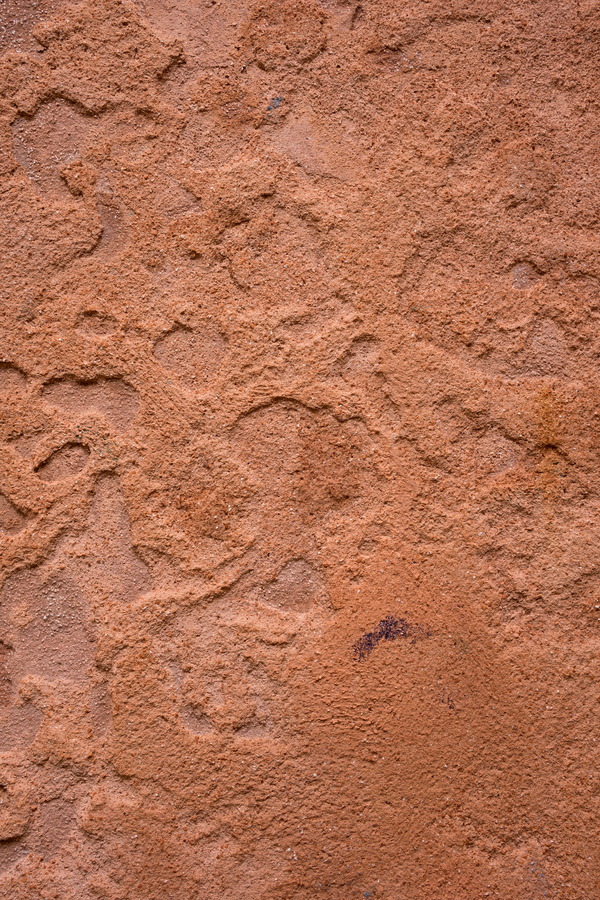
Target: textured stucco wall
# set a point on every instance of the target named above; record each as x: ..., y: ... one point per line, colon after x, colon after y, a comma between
x: 299, y: 483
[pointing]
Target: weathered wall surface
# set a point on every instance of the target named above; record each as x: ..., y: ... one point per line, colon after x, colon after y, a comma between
x: 299, y: 379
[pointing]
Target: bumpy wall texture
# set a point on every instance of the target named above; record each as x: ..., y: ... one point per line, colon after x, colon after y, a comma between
x: 300, y: 489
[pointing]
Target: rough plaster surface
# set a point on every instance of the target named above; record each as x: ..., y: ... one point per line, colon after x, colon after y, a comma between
x: 300, y: 496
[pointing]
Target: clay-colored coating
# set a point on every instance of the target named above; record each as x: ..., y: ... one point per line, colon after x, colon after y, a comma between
x: 299, y: 483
